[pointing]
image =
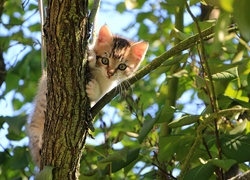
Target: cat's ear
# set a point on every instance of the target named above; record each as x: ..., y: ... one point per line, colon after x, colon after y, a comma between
x: 139, y: 50
x: 105, y: 36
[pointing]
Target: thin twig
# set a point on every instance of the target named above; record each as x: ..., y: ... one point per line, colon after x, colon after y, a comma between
x: 165, y: 172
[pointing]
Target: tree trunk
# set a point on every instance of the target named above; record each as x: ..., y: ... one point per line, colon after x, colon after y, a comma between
x: 68, y: 111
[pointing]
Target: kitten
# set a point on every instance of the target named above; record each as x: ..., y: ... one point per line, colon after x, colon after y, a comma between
x: 116, y: 59
x: 111, y: 59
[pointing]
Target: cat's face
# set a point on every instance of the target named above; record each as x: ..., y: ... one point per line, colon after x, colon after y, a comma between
x: 116, y: 57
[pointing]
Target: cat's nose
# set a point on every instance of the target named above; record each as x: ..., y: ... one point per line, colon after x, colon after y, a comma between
x: 110, y: 74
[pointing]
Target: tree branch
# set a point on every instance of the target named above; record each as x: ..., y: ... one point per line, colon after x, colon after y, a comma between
x: 185, y: 44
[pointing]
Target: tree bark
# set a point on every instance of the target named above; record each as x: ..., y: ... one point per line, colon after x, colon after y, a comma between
x: 68, y: 110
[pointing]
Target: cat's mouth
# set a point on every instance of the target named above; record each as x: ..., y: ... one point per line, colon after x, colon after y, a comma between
x: 109, y: 77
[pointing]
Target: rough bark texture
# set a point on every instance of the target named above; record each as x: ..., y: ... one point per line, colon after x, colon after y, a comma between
x: 66, y: 125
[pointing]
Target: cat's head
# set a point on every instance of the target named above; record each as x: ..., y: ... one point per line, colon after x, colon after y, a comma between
x: 117, y: 57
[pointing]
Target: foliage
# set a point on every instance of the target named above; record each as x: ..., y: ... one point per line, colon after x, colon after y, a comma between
x: 202, y: 131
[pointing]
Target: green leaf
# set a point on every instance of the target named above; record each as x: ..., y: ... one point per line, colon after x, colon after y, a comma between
x: 241, y: 16
x: 116, y: 156
x: 35, y: 27
x: 119, y: 137
x: 226, y: 75
x: 16, y: 21
x: 200, y: 82
x: 131, y: 156
x: 236, y: 147
x: 90, y: 175
x: 131, y: 165
x: 224, y: 164
x: 227, y: 5
x: 174, y: 144
x: 16, y: 124
x: 184, y: 120
x: 204, y: 171
x: 120, y: 7
x: 11, y: 81
x: 19, y: 160
x: 220, y: 32
x: 165, y: 114
x: 146, y: 128
x: 229, y: 48
x: 176, y: 3
x: 179, y: 34
x: 131, y: 4
x: 240, y: 128
x: 46, y: 173
x: 150, y: 175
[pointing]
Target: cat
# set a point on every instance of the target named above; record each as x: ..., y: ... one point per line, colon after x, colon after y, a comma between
x: 111, y: 59
x: 116, y: 60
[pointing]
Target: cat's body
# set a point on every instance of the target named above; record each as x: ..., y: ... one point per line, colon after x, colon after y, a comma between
x: 111, y: 60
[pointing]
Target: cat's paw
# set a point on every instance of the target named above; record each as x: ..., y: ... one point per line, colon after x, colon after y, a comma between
x: 93, y: 90
x: 92, y: 58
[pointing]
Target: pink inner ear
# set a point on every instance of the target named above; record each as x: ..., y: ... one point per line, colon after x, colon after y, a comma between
x: 104, y: 36
x: 139, y: 49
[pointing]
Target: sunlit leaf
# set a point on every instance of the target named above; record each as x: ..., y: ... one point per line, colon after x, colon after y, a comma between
x: 179, y: 34
x: 227, y: 5
x: 185, y: 120
x: 226, y: 75
x: 131, y: 4
x: 240, y: 128
x: 176, y: 3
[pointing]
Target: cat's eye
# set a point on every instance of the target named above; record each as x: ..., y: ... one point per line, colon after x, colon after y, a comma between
x: 122, y: 67
x: 105, y: 61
